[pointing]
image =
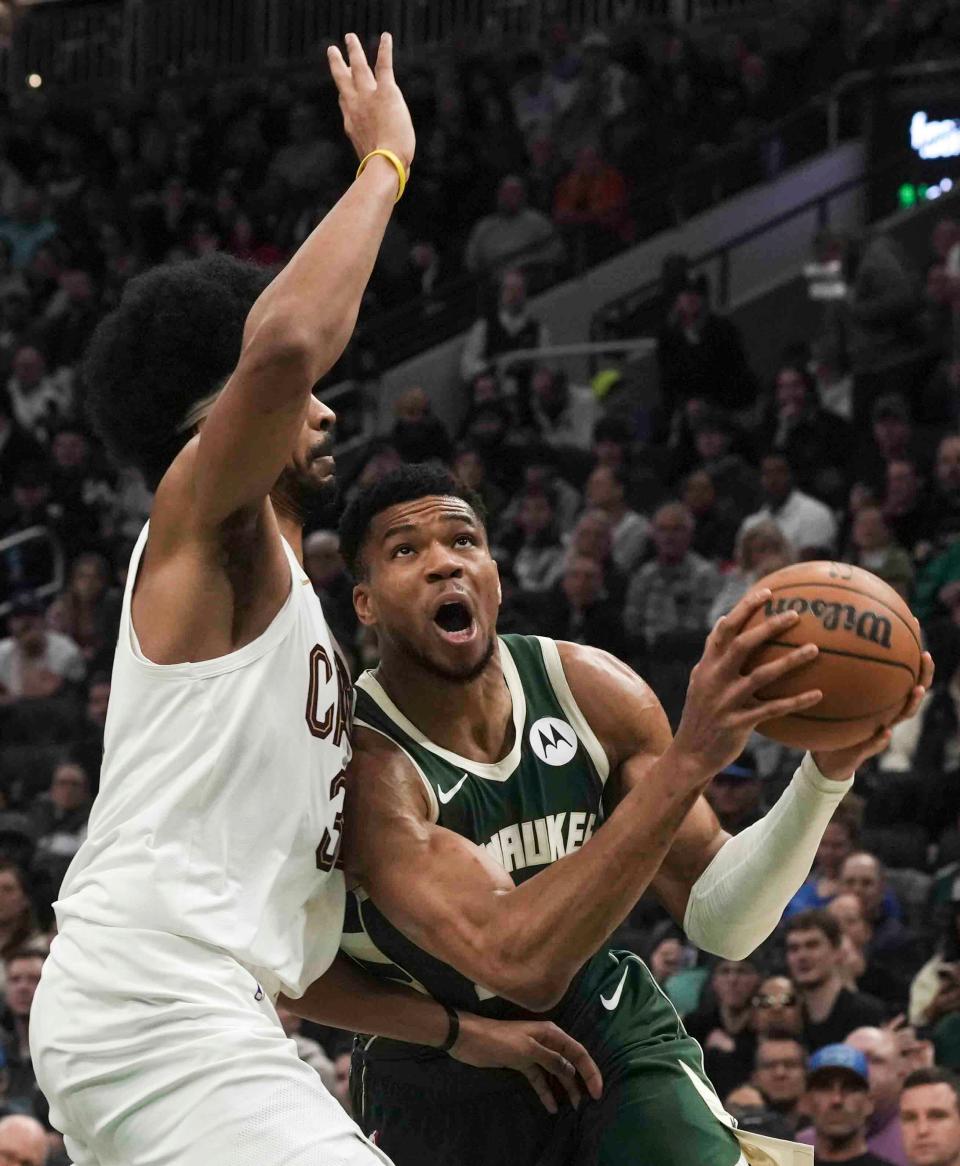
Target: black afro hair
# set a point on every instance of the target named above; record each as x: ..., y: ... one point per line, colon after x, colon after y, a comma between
x: 174, y: 338
x: 405, y: 484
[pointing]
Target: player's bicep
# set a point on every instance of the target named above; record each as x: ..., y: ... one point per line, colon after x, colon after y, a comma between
x: 251, y: 429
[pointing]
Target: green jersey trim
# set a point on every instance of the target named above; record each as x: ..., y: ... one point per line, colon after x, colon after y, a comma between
x: 493, y: 771
x: 578, y: 722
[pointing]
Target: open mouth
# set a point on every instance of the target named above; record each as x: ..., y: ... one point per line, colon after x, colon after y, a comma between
x: 455, y: 622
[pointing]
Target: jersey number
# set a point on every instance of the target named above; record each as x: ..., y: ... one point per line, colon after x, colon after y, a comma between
x: 328, y: 852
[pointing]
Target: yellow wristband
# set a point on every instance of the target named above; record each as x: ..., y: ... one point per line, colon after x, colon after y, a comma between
x: 397, y: 165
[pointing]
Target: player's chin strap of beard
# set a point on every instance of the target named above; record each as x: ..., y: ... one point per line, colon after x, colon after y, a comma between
x: 199, y: 410
x: 739, y: 899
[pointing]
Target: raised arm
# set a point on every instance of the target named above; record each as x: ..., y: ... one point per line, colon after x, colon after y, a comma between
x: 526, y: 943
x: 301, y: 323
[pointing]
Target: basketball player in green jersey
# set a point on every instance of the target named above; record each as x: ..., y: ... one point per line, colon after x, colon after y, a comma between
x: 482, y: 771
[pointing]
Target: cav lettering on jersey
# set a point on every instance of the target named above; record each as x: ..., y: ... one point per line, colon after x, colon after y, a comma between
x: 540, y: 841
x: 337, y: 715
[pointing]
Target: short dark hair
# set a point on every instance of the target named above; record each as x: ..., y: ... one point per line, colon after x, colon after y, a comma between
x: 780, y: 1034
x: 24, y: 953
x: 407, y: 483
x: 174, y: 338
x: 934, y: 1075
x: 815, y: 919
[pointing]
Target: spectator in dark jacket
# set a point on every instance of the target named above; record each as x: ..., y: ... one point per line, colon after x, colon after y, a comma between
x: 701, y: 355
x: 418, y: 435
x: 580, y: 607
x: 817, y: 443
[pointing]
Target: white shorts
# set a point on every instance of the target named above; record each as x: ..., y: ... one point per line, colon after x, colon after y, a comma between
x: 153, y: 1050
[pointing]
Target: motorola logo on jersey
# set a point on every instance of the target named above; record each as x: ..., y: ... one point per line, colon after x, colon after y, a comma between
x: 553, y: 741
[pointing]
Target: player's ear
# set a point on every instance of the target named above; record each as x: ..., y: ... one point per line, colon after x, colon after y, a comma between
x: 496, y: 567
x: 364, y: 605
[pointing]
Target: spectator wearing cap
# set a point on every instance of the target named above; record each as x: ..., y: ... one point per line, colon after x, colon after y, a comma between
x: 716, y: 517
x: 35, y: 661
x: 805, y: 521
x: 580, y: 608
x: 606, y: 490
x: 735, y: 481
x: 22, y: 970
x: 674, y: 591
x: 39, y: 398
x: 779, y: 1072
x: 815, y: 962
x: 734, y: 794
x: 930, y: 1117
x: 721, y: 1025
x: 701, y: 355
x: 514, y: 236
x: 564, y: 414
x: 759, y: 550
x: 839, y: 1105
x: 510, y: 327
x: 816, y: 442
x: 23, y: 1141
x: 886, y: 1073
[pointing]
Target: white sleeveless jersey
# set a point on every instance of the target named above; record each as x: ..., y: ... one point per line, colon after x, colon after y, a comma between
x: 219, y: 811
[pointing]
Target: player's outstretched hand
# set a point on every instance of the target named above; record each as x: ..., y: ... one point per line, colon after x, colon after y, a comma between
x: 536, y: 1048
x: 722, y: 707
x: 840, y: 764
x: 375, y: 114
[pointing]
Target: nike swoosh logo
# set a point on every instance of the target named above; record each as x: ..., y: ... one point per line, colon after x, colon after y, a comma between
x: 614, y: 1000
x: 446, y: 797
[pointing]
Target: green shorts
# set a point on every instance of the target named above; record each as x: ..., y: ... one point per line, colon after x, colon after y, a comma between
x: 657, y: 1108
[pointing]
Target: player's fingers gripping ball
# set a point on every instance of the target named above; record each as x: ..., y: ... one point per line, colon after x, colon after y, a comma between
x: 869, y: 660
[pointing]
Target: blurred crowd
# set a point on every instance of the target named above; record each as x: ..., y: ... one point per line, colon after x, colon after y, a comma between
x: 619, y: 523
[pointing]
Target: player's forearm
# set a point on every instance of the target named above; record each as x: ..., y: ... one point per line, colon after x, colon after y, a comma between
x: 547, y: 928
x: 740, y: 897
x: 312, y: 304
x: 348, y: 997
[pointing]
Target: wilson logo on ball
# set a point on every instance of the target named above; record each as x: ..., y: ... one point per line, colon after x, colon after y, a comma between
x: 867, y: 625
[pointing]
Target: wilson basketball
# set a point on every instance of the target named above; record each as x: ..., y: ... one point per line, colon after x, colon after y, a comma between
x: 869, y: 659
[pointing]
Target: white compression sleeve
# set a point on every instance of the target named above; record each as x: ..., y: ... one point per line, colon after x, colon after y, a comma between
x: 739, y: 899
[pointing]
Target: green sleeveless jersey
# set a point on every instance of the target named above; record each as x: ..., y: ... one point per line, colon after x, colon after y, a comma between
x: 542, y: 801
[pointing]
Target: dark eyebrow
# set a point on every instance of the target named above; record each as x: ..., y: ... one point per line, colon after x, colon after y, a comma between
x: 403, y: 527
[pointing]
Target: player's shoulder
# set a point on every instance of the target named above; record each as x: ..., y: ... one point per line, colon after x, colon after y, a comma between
x: 586, y: 666
x: 620, y: 707
x: 382, y: 777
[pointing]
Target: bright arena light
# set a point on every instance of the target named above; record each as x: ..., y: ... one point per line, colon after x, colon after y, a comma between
x: 946, y: 185
x: 34, y: 80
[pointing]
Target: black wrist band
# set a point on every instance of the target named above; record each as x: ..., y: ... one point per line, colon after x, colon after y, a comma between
x: 454, y: 1031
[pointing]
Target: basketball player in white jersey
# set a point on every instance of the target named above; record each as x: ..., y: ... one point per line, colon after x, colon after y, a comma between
x: 207, y: 883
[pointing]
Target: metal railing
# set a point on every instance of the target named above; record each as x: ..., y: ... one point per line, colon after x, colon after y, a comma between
x: 12, y: 551
x: 633, y: 312
x: 83, y: 44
